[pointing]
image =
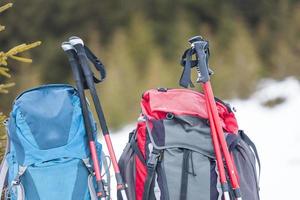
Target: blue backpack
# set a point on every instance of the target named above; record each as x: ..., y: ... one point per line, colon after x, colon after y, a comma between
x: 47, y: 154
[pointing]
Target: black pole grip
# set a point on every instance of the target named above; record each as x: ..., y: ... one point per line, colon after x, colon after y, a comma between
x: 201, y: 48
x: 83, y: 60
x: 78, y: 79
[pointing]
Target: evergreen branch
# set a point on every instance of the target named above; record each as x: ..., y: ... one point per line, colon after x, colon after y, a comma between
x: 4, y: 72
x: 16, y: 50
x: 5, y: 7
x: 3, y: 87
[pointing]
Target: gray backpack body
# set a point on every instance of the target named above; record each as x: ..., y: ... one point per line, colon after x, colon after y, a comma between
x: 170, y: 155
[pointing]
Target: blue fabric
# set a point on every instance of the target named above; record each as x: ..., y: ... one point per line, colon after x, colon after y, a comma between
x: 47, y: 135
x: 48, y: 113
x: 81, y: 182
x: 29, y: 185
x: 15, y: 139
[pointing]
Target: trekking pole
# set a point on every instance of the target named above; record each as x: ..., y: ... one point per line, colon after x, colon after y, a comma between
x: 219, y: 159
x: 78, y: 44
x: 202, y: 51
x: 71, y: 53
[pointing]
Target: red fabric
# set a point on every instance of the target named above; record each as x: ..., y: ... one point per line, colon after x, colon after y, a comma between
x: 141, y: 170
x: 156, y: 104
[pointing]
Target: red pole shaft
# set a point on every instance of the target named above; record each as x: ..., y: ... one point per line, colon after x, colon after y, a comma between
x: 97, y: 169
x: 111, y: 153
x: 95, y: 160
x: 216, y: 146
x: 216, y: 120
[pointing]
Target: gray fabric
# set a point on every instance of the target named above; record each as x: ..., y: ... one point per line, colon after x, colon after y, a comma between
x: 44, y: 118
x: 21, y: 192
x: 127, y: 169
x: 92, y: 188
x: 218, y: 186
x: 106, y: 170
x: 184, y: 132
x: 188, y: 132
x: 198, y: 186
x: 3, y: 174
x: 246, y: 165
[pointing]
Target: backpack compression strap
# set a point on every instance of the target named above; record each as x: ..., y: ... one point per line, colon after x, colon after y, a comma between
x: 153, y: 161
x: 151, y: 169
x: 253, y: 147
x: 233, y: 140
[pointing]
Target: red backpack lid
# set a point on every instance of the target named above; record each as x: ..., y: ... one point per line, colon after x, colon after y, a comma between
x: 156, y: 103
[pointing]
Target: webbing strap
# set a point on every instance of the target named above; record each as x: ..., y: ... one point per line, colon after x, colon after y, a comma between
x: 184, y: 175
x: 86, y: 162
x: 246, y: 139
x: 3, y: 174
x: 106, y: 166
x: 97, y: 63
x: 98, y: 66
x: 137, y: 151
x: 91, y: 187
x: 188, y: 64
x: 20, y: 192
x: 151, y: 169
x: 17, y: 186
x: 22, y: 170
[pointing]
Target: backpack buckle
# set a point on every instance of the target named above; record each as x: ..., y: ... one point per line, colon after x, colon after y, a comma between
x: 153, y: 158
x: 16, y: 182
x: 161, y: 89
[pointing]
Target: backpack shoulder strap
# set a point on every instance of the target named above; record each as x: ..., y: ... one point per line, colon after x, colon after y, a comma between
x: 3, y: 174
x: 248, y: 141
x: 151, y: 169
x: 91, y: 185
x: 17, y: 186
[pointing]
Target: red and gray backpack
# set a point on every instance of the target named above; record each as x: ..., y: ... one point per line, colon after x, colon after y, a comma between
x: 170, y: 155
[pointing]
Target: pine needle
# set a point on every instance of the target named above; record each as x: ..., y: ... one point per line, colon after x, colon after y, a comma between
x: 4, y: 72
x: 4, y: 87
x: 2, y: 28
x: 12, y: 53
x: 5, y: 7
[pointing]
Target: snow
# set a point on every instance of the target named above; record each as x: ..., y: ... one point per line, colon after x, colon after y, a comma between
x: 274, y: 131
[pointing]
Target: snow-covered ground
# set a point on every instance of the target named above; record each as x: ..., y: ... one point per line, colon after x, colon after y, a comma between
x: 275, y: 132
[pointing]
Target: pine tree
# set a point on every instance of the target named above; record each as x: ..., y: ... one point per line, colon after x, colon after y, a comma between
x: 13, y: 53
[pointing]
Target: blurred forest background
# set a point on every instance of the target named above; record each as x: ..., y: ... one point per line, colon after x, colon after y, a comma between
x: 141, y: 42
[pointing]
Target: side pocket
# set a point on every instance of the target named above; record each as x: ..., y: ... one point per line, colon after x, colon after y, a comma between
x: 245, y: 162
x: 192, y: 166
x: 127, y: 168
